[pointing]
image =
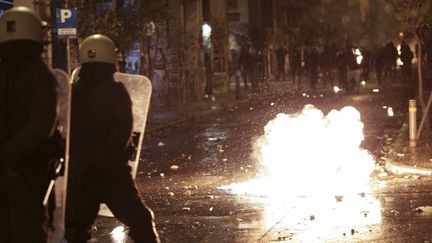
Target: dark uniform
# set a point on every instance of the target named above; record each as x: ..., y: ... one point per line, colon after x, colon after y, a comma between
x: 28, y: 106
x: 101, y: 128
x: 406, y: 57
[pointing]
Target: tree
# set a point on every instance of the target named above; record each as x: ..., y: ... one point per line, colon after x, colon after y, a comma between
x: 126, y: 23
x: 414, y: 16
x: 367, y: 23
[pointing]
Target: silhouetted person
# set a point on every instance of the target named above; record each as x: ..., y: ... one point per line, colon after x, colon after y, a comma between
x: 295, y: 65
x: 101, y: 128
x: 312, y: 65
x: 379, y: 66
x: 256, y: 68
x: 406, y: 57
x: 245, y: 61
x: 209, y: 74
x: 354, y: 71
x: 390, y: 58
x: 327, y: 63
x: 366, y: 64
x: 280, y: 63
x: 28, y: 115
x: 234, y: 71
x: 343, y: 60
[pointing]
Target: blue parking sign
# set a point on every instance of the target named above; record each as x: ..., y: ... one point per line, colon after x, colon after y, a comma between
x: 66, y: 23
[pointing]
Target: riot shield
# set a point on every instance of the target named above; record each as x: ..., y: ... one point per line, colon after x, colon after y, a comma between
x: 139, y: 88
x: 60, y: 182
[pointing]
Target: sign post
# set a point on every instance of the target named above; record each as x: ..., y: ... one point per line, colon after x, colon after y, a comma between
x: 66, y: 27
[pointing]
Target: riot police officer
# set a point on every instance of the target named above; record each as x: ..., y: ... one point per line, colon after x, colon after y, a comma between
x: 101, y: 129
x: 28, y: 114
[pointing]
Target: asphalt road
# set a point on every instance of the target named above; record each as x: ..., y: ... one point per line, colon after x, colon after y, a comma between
x: 183, y: 167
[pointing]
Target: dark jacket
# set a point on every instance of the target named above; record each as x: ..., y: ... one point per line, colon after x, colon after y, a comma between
x: 101, y: 120
x: 28, y: 113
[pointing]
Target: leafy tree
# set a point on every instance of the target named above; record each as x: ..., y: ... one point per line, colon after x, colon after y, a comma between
x: 413, y: 16
x: 126, y: 23
x: 367, y: 23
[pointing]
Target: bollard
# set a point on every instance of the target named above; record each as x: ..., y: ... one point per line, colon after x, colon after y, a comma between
x: 412, y: 123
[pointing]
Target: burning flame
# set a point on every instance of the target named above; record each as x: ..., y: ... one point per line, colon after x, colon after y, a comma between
x: 309, y: 159
x: 309, y: 154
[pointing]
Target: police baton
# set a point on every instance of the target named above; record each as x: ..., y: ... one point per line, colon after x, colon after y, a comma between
x: 57, y: 172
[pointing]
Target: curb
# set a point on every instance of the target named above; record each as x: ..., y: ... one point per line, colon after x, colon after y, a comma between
x: 397, y: 168
x: 401, y: 169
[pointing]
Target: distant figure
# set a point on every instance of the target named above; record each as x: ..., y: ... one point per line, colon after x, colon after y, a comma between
x: 280, y: 63
x: 234, y: 71
x: 28, y: 115
x: 256, y: 65
x: 327, y: 63
x: 379, y: 66
x: 406, y: 57
x: 366, y: 64
x: 390, y: 58
x: 259, y: 61
x: 295, y: 65
x: 101, y: 129
x: 209, y: 74
x: 354, y: 71
x: 343, y: 60
x: 312, y: 65
x: 245, y: 61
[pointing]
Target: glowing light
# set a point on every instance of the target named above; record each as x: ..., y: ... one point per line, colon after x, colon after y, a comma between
x: 308, y: 159
x: 363, y: 83
x: 304, y: 94
x: 206, y: 30
x: 118, y: 234
x: 311, y: 154
x: 390, y: 111
x: 399, y: 62
x: 375, y: 90
x: 358, y: 55
x: 336, y: 89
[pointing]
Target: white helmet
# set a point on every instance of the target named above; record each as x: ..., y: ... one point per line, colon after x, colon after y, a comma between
x: 20, y: 23
x: 98, y: 48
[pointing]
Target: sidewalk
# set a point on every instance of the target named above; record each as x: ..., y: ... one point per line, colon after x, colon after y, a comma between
x: 405, y: 160
x: 164, y: 117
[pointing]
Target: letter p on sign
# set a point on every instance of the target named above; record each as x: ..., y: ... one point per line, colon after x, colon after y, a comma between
x: 65, y: 14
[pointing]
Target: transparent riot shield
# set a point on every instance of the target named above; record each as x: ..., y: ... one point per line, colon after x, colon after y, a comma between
x: 140, y: 89
x: 57, y: 194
